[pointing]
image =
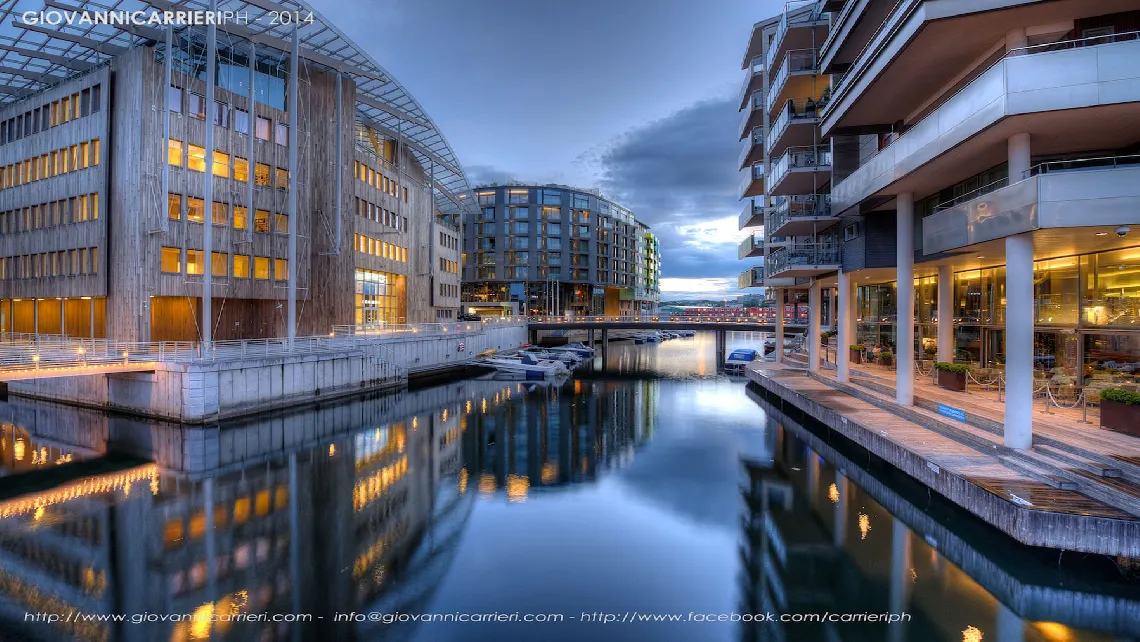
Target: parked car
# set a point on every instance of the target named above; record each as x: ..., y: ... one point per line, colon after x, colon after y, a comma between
x: 470, y: 317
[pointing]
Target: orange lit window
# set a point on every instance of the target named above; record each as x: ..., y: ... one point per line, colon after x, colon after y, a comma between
x: 261, y: 504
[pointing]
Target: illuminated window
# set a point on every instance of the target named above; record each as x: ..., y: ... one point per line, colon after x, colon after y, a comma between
x: 241, y: 169
x: 241, y: 218
x: 241, y: 271
x: 220, y: 214
x: 261, y: 174
x: 221, y: 164
x: 171, y: 259
x: 261, y: 503
x: 195, y: 210
x: 198, y: 525
x: 281, y: 269
x: 281, y: 498
x: 221, y: 263
x: 260, y: 267
x: 241, y: 509
x: 282, y: 178
x: 261, y: 221
x: 194, y: 262
x: 196, y: 160
x: 174, y: 206
x: 172, y: 533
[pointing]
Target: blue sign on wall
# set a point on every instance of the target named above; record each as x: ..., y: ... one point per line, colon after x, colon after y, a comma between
x: 951, y: 412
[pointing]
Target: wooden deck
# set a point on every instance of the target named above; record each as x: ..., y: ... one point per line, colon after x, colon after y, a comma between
x: 1020, y: 493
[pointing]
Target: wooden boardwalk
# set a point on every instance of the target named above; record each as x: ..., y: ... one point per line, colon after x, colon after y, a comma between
x: 1025, y: 498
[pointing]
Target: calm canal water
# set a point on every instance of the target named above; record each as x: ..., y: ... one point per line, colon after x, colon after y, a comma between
x: 646, y: 486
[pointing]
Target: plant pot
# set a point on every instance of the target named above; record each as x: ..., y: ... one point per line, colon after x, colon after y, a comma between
x: 952, y: 380
x: 887, y: 363
x: 1120, y: 417
x: 856, y: 356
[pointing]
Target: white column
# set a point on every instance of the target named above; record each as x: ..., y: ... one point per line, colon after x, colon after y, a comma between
x: 945, y: 313
x: 294, y: 184
x: 1019, y: 341
x: 833, y: 312
x: 1019, y: 156
x: 904, y: 326
x: 779, y: 325
x: 208, y: 190
x: 846, y: 325
x: 813, y: 326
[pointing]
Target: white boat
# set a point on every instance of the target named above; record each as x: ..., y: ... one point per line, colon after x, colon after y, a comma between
x: 653, y: 337
x: 738, y: 359
x: 686, y: 333
x: 580, y: 349
x: 526, y: 365
x: 571, y: 359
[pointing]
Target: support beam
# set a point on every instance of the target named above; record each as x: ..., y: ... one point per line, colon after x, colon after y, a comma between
x: 945, y: 313
x: 251, y: 175
x: 904, y: 326
x: 294, y: 140
x: 1019, y: 157
x: 779, y: 352
x: 340, y: 160
x: 1019, y: 341
x: 208, y: 189
x: 63, y: 61
x: 814, y: 304
x: 167, y: 70
x: 846, y: 323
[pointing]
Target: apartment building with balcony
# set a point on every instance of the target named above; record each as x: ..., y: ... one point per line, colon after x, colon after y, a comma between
x: 985, y: 157
x: 557, y: 250
x: 176, y: 182
x: 786, y: 163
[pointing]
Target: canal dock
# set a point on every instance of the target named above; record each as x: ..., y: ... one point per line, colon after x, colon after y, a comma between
x: 1065, y: 494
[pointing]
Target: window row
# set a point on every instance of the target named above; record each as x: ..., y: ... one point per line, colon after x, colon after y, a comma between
x: 382, y: 249
x: 521, y: 196
x: 53, y: 114
x: 194, y: 210
x: 448, y: 241
x: 56, y: 162
x: 448, y: 266
x: 448, y: 290
x: 75, y: 209
x: 81, y: 261
x: 378, y: 180
x: 176, y: 261
x: 225, y: 115
x: 382, y: 215
x: 193, y: 157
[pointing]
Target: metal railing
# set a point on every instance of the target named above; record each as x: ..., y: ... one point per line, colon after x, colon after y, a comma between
x: 757, y: 138
x: 972, y: 194
x: 755, y: 172
x: 784, y: 259
x: 751, y: 210
x: 795, y: 61
x: 748, y: 245
x: 754, y: 70
x: 756, y: 103
x: 799, y: 206
x: 796, y: 110
x: 800, y: 158
x: 750, y: 278
x: 1077, y: 164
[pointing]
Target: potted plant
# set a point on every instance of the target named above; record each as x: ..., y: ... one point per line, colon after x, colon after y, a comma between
x: 857, y: 353
x: 952, y: 376
x: 824, y: 337
x: 1120, y: 411
x: 886, y: 359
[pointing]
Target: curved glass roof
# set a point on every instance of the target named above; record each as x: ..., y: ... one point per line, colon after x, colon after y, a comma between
x: 35, y: 56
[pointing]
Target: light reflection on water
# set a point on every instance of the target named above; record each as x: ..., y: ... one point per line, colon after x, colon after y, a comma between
x: 649, y: 483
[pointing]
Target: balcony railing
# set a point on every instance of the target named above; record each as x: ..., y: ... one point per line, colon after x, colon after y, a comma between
x: 751, y: 174
x: 1077, y: 164
x: 750, y: 244
x: 799, y: 206
x: 796, y: 60
x: 756, y: 69
x: 800, y: 158
x: 752, y: 208
x: 784, y: 259
x: 757, y: 102
x: 786, y: 21
x: 795, y: 110
x: 751, y: 278
x: 756, y: 139
x: 972, y: 194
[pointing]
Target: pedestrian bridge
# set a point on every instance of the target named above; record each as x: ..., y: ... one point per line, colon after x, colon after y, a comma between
x: 709, y: 323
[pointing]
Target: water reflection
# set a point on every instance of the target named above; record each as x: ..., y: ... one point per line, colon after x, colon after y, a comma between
x: 616, y: 491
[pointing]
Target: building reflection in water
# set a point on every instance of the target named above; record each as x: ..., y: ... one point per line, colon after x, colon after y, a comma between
x: 353, y: 506
x: 818, y: 538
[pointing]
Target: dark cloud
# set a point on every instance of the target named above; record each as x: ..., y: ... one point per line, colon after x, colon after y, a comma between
x: 679, y: 175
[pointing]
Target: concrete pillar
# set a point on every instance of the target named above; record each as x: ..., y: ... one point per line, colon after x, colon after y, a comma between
x: 1016, y: 39
x: 1019, y: 157
x: 904, y: 326
x: 294, y: 184
x: 779, y: 325
x: 1019, y: 341
x: 91, y: 308
x: 945, y: 313
x: 846, y: 325
x: 36, y: 316
x: 62, y: 317
x: 832, y: 311
x: 814, y: 303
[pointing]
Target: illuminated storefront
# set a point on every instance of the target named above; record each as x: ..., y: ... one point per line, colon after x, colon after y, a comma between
x: 380, y: 298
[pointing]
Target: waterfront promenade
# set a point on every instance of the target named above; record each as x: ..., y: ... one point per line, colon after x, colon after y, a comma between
x: 1072, y: 490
